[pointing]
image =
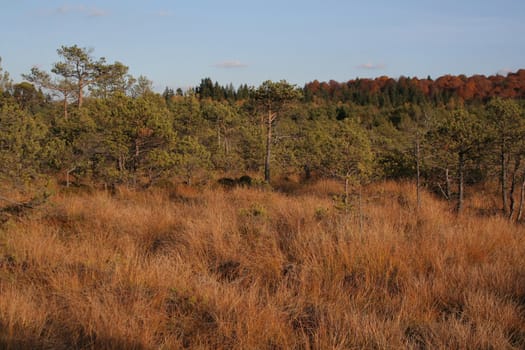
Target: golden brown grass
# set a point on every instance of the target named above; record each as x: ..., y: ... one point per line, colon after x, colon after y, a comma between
x: 253, y: 269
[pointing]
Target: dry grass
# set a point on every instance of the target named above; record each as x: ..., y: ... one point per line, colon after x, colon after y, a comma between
x: 252, y: 269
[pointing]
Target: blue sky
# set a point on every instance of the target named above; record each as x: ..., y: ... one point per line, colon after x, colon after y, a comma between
x: 175, y: 43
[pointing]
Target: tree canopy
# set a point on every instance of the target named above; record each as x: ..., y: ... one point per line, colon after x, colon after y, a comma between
x: 88, y: 120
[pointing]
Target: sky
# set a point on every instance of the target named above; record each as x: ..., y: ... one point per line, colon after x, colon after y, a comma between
x: 176, y: 43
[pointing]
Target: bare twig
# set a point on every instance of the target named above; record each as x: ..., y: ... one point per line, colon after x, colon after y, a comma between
x: 5, y: 199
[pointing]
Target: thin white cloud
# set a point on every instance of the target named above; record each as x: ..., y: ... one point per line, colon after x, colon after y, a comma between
x: 95, y: 12
x: 230, y: 64
x: 371, y: 66
x: 164, y: 13
x: 81, y: 9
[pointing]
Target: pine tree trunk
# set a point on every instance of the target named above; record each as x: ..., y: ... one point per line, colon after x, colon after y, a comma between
x: 65, y: 108
x: 68, y: 172
x: 461, y: 165
x: 347, y: 186
x: 447, y: 179
x: 513, y: 188
x: 503, y: 179
x: 121, y: 165
x: 360, y: 210
x: 136, y: 163
x: 137, y: 152
x: 418, y: 174
x: 218, y: 138
x: 268, y: 147
x: 522, y: 199
x: 307, y: 172
x: 80, y: 93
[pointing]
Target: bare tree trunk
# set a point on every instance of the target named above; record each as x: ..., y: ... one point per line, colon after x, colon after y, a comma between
x: 347, y: 185
x: 418, y: 165
x: 136, y: 162
x: 418, y: 173
x: 513, y: 187
x: 461, y: 165
x: 68, y: 172
x: 65, y: 107
x: 218, y: 137
x: 522, y: 199
x: 137, y: 151
x: 360, y: 210
x: 268, y: 146
x: 121, y: 166
x: 307, y: 172
x: 447, y: 179
x: 226, y: 145
x: 80, y: 92
x: 503, y: 179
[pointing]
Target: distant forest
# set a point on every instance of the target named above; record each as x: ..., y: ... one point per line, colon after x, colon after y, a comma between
x: 88, y: 122
x: 386, y: 92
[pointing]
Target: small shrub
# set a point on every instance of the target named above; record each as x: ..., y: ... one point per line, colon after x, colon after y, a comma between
x: 254, y: 211
x: 321, y: 213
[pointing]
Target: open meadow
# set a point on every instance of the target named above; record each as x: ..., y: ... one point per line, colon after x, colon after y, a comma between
x: 256, y: 269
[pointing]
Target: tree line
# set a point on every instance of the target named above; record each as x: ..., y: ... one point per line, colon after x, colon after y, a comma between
x: 388, y: 92
x: 90, y: 121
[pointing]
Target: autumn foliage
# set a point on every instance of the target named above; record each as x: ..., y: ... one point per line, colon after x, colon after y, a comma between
x: 385, y: 90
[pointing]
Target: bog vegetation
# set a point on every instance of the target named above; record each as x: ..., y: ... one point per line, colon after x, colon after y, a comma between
x: 248, y: 268
x: 369, y: 214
